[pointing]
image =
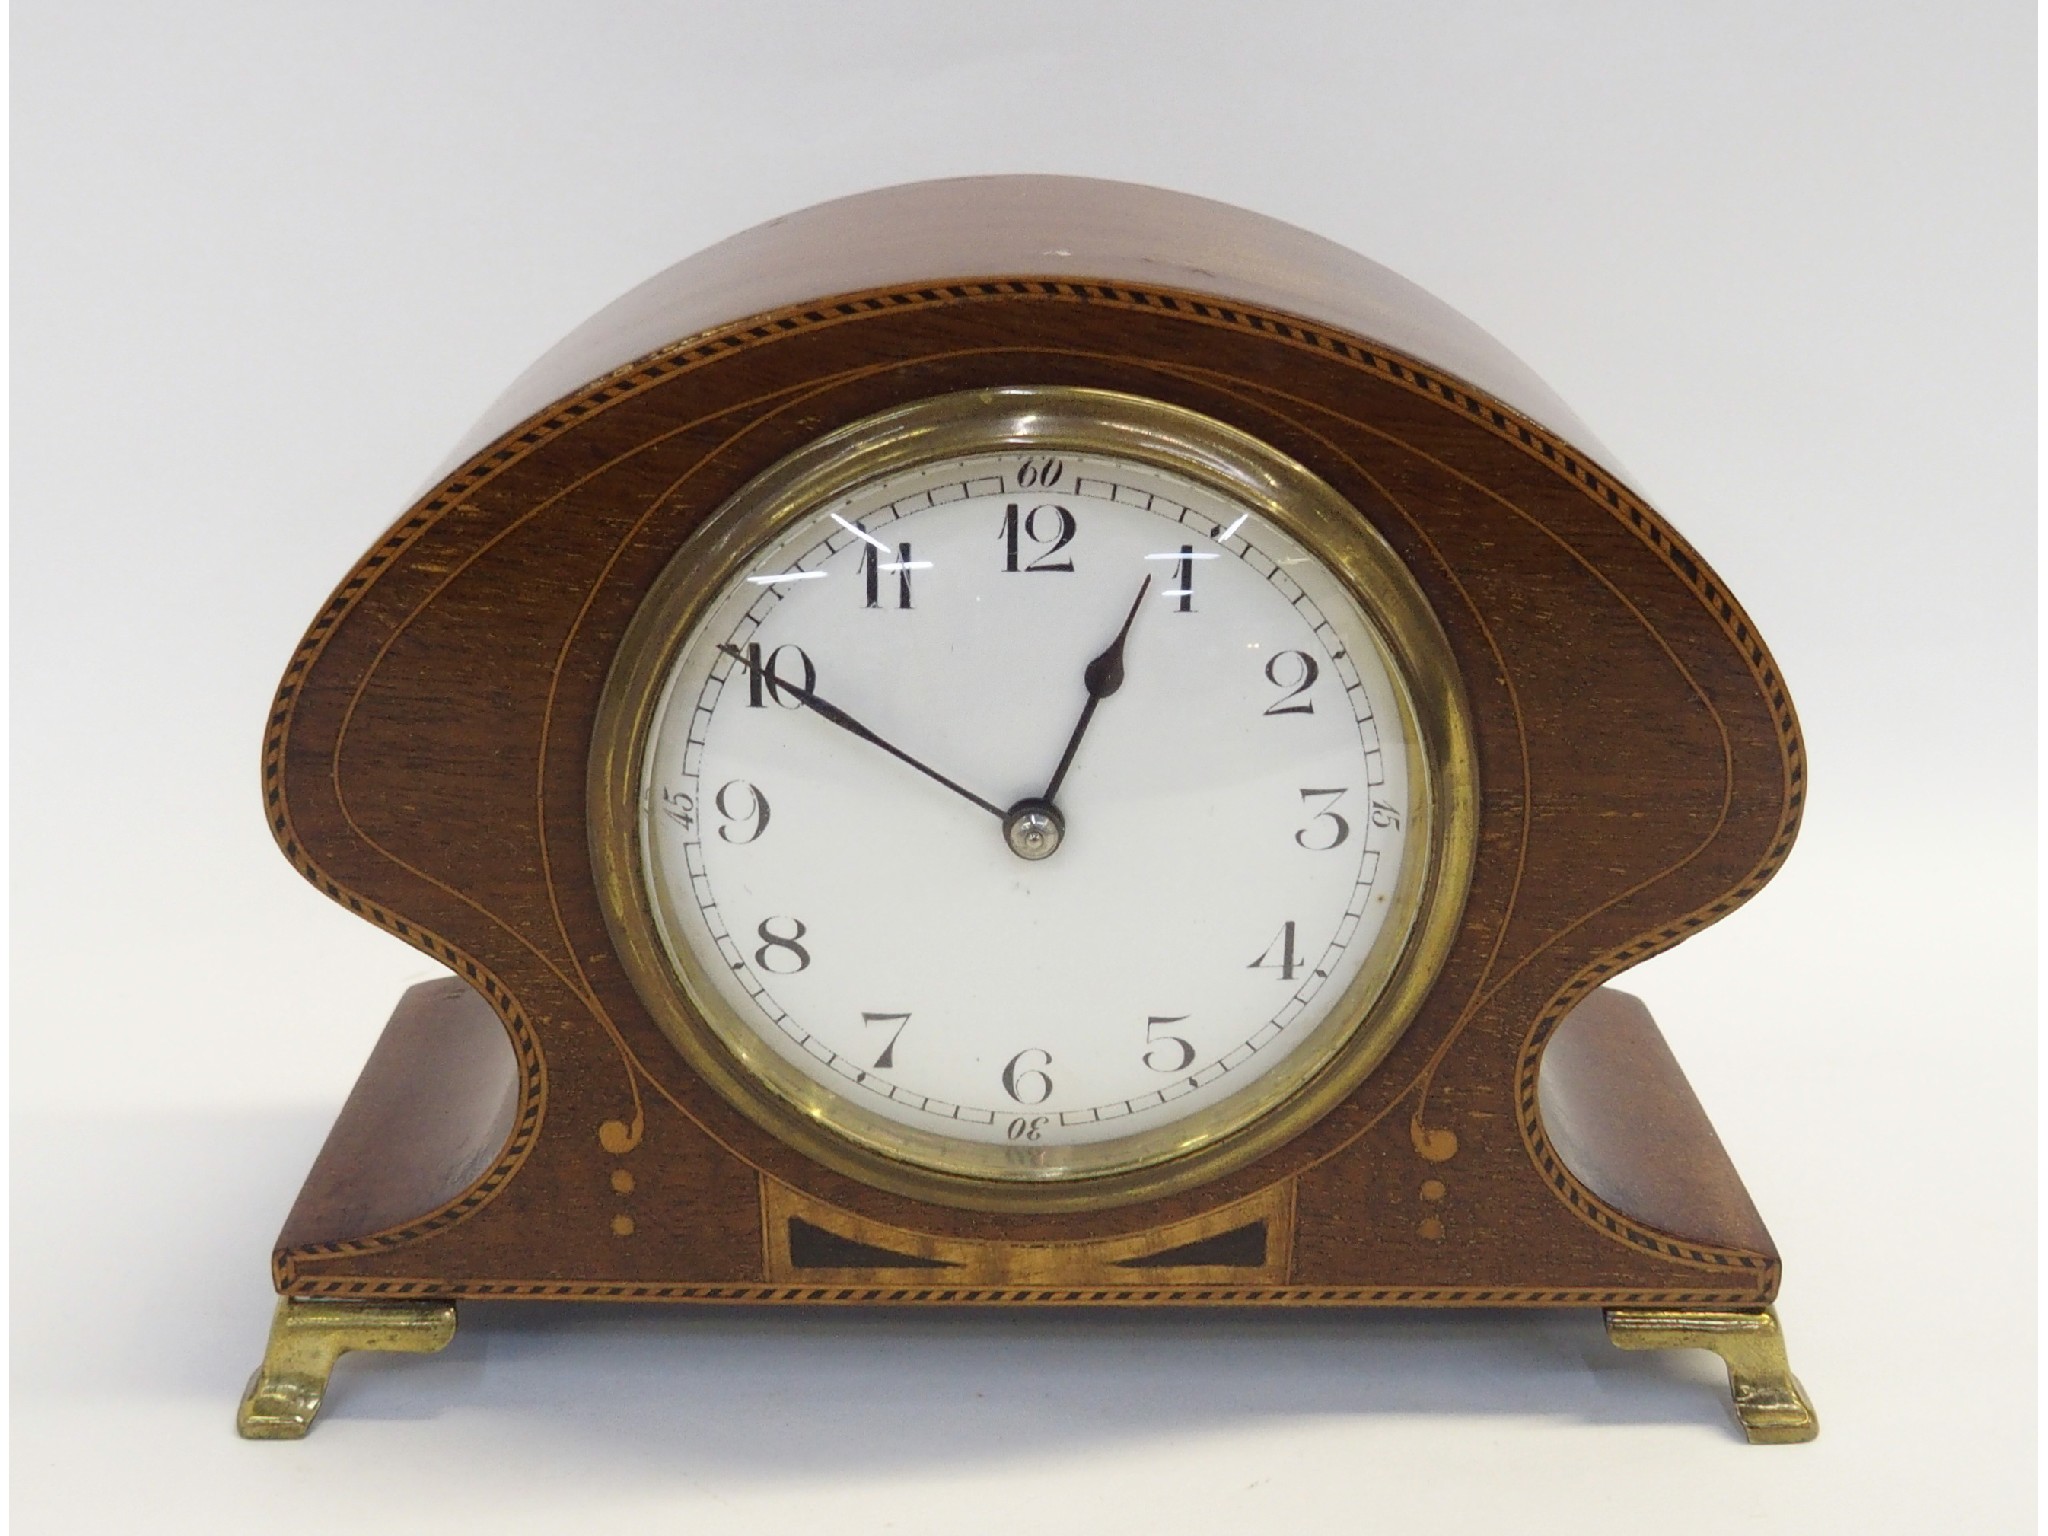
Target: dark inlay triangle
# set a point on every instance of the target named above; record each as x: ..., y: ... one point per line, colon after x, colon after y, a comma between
x: 1239, y: 1248
x: 812, y: 1247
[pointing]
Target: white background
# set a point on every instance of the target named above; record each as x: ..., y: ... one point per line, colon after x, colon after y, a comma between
x: 270, y: 262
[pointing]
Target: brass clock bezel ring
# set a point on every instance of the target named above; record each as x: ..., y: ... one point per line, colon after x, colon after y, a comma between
x: 1317, y: 1075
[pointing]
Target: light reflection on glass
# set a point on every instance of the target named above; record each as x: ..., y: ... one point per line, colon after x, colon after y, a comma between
x: 858, y: 531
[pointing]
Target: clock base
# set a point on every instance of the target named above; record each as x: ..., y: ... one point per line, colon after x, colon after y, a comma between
x: 417, y: 1162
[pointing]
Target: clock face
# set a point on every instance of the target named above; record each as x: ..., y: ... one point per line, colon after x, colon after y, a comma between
x: 1030, y: 810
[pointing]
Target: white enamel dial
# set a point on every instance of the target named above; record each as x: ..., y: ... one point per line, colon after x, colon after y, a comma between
x: 837, y: 744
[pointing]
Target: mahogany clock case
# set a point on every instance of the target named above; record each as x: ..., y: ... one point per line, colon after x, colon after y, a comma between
x: 527, y: 1131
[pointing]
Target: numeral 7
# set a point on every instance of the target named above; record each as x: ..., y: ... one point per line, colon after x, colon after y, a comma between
x: 887, y: 1059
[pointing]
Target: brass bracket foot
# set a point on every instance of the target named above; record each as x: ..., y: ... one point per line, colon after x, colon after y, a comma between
x: 1771, y: 1405
x: 307, y: 1337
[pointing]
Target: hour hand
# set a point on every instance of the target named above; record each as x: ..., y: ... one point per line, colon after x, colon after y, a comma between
x: 839, y: 717
x: 1104, y: 675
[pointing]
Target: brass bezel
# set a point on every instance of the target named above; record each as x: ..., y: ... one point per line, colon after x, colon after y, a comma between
x: 842, y: 1135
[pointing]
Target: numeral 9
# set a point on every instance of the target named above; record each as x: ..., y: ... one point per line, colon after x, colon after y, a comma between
x: 754, y: 811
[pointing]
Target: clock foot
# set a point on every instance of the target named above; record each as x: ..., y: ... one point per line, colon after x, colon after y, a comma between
x: 1769, y: 1402
x: 307, y: 1337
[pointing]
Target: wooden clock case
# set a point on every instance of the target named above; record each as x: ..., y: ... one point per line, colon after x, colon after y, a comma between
x: 524, y: 1130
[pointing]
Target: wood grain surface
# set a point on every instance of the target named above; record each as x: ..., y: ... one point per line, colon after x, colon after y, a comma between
x: 1640, y: 769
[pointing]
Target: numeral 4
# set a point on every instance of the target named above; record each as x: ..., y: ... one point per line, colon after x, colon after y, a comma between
x: 1288, y: 963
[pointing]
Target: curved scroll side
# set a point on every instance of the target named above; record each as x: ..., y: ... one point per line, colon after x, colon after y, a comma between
x: 1619, y: 1134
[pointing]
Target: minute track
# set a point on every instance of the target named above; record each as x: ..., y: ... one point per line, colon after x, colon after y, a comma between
x: 1184, y: 871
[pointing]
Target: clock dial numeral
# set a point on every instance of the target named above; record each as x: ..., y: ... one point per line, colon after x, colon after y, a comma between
x: 1288, y: 963
x: 1384, y: 815
x: 1040, y: 474
x: 767, y: 677
x: 1318, y: 838
x: 1182, y: 1051
x: 1296, y: 671
x: 887, y: 1059
x: 753, y: 811
x: 1047, y: 524
x: 1027, y: 1082
x: 796, y: 957
x: 679, y: 808
x: 874, y: 565
x: 1183, y: 586
x: 1027, y: 1128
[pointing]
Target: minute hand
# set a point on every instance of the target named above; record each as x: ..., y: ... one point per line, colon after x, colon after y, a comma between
x: 846, y: 722
x: 1104, y: 676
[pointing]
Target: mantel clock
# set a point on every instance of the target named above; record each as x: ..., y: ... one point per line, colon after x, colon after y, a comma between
x: 1029, y: 742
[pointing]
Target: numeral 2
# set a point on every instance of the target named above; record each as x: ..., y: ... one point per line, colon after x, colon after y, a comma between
x: 1304, y: 678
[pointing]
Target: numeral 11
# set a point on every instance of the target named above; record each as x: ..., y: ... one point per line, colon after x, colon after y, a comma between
x: 872, y: 569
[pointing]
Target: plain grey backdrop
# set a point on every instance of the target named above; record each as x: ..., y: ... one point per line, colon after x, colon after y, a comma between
x: 271, y: 260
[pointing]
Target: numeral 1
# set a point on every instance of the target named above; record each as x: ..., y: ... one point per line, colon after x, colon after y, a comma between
x: 1184, y: 579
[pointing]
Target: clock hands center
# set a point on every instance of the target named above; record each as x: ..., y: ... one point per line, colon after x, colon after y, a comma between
x: 839, y: 717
